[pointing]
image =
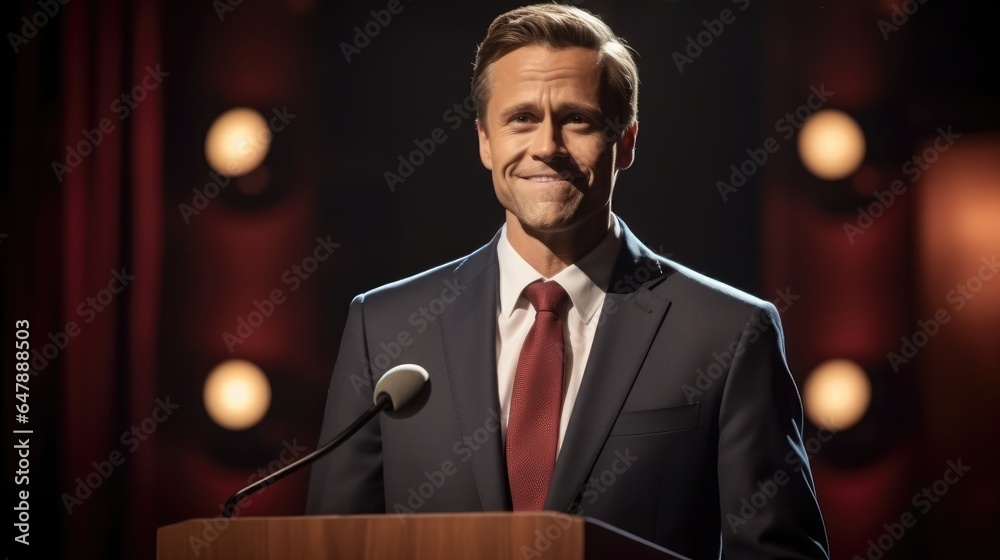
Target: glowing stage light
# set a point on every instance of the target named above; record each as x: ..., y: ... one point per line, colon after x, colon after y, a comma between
x: 237, y: 394
x: 837, y: 394
x: 831, y: 144
x: 237, y: 142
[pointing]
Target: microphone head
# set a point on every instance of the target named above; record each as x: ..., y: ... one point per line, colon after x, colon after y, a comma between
x: 401, y: 384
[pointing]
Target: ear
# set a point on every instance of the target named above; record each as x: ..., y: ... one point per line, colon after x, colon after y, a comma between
x: 626, y: 147
x: 484, y: 146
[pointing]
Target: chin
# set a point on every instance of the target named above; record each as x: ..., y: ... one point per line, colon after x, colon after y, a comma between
x: 549, y: 224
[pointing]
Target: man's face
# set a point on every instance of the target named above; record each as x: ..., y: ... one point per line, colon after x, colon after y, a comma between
x: 546, y: 139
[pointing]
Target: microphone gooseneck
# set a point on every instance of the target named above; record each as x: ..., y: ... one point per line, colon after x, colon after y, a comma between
x: 394, y: 391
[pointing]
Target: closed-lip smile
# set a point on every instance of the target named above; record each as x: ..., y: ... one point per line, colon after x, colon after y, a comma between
x: 548, y: 177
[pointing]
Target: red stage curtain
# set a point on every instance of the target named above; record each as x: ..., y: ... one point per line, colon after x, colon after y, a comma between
x: 82, y: 229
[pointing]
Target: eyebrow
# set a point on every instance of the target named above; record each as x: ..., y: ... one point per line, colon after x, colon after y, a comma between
x: 528, y: 107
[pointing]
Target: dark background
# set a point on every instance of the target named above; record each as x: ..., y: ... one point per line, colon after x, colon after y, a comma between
x: 324, y: 177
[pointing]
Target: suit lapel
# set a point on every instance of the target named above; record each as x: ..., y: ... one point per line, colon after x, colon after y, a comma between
x: 631, y: 316
x: 468, y: 331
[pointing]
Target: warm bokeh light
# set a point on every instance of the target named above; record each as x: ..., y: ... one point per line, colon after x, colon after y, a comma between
x: 237, y: 394
x: 237, y: 142
x: 831, y: 144
x: 959, y: 238
x: 837, y: 394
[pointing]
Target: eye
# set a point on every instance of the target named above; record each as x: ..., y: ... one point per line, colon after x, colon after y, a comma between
x: 579, y: 120
x: 523, y: 118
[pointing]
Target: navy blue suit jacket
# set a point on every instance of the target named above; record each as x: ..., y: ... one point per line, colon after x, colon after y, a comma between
x: 687, y: 430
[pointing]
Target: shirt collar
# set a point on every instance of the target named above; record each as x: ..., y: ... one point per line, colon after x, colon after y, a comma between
x: 585, y: 281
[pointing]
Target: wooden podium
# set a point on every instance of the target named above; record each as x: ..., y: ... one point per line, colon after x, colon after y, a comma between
x: 432, y: 536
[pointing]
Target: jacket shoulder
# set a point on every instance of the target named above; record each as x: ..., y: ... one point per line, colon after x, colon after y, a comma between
x: 429, y: 284
x: 678, y: 283
x: 696, y: 283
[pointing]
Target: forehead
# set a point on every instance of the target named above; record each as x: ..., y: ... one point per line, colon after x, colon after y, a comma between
x: 531, y: 71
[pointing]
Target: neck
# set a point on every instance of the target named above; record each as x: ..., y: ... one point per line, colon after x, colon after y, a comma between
x: 550, y: 252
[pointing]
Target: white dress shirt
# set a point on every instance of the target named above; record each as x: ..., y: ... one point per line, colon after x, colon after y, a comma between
x: 586, y: 283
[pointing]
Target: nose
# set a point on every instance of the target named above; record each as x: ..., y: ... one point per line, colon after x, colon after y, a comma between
x: 547, y: 142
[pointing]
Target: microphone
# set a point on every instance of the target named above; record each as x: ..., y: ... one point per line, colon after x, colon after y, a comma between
x: 396, y: 389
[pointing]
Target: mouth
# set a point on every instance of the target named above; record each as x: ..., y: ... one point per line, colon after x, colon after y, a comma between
x: 549, y: 178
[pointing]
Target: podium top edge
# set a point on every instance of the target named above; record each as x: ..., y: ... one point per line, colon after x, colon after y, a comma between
x: 545, y: 514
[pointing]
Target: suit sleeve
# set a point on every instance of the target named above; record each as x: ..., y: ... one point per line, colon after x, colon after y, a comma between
x: 767, y: 496
x: 349, y: 479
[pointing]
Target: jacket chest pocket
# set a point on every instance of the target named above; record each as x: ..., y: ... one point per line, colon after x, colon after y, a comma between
x: 656, y: 421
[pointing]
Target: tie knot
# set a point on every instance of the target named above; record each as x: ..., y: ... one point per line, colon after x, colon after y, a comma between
x: 545, y: 296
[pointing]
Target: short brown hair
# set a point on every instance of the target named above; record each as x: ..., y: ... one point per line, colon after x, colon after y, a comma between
x: 559, y: 26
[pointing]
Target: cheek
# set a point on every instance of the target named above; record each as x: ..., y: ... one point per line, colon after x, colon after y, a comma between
x: 509, y: 151
x: 593, y: 153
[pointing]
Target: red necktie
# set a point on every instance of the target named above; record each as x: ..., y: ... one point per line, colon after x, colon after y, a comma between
x: 533, y: 422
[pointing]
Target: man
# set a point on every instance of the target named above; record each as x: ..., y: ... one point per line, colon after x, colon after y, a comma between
x: 564, y: 355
